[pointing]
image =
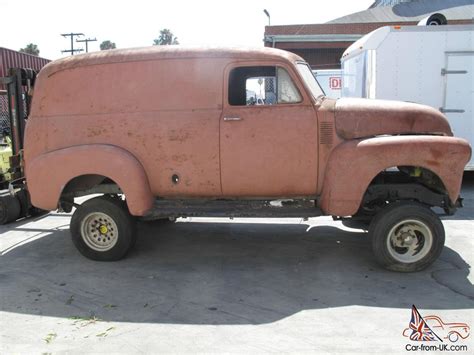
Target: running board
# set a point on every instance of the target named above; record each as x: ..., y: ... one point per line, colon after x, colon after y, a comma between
x: 233, y: 208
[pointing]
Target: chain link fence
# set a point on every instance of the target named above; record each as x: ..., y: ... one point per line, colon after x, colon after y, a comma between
x: 4, y: 113
x: 4, y: 116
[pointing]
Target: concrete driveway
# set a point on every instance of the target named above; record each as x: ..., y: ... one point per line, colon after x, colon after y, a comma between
x: 220, y: 285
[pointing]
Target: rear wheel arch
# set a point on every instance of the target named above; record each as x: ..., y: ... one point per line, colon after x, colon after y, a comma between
x: 84, y: 185
x: 88, y: 163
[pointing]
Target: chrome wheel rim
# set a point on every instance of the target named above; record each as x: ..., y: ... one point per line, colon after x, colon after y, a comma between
x: 409, y: 241
x: 99, y: 231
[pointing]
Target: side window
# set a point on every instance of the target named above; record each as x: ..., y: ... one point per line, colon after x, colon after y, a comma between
x: 287, y: 91
x: 263, y: 85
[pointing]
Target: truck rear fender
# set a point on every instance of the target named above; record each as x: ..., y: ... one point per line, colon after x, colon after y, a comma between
x: 48, y: 174
x: 353, y: 165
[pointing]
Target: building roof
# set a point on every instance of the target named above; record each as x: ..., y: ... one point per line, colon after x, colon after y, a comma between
x: 349, y: 28
x: 408, y: 11
x: 321, y: 35
x: 323, y: 29
x: 13, y: 59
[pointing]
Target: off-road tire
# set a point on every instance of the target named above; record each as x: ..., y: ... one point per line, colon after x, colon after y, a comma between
x: 387, y: 218
x: 116, y: 213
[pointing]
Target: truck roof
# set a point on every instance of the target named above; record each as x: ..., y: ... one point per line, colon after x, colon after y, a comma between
x: 373, y: 39
x: 167, y: 52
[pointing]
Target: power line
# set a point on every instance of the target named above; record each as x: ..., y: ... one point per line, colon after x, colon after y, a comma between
x: 72, y: 35
x: 87, y: 40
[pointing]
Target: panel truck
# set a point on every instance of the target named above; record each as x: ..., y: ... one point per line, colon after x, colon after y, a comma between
x: 431, y: 65
x: 167, y: 132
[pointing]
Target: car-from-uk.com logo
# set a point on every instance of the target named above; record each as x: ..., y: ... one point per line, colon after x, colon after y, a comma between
x: 431, y: 333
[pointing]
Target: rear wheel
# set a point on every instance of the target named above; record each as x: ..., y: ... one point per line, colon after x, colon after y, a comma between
x: 406, y: 236
x: 102, y: 229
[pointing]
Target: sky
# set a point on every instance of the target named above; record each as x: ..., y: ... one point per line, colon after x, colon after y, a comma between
x: 135, y: 23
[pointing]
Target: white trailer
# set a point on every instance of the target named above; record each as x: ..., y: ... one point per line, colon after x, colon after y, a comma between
x: 330, y: 80
x: 431, y: 65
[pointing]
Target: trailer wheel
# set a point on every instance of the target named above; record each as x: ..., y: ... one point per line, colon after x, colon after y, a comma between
x: 10, y: 209
x: 406, y: 237
x: 102, y: 229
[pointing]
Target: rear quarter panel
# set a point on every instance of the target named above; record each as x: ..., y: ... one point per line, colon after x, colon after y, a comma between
x: 164, y: 112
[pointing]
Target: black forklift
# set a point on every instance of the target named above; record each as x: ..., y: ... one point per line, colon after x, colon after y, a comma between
x: 14, y: 198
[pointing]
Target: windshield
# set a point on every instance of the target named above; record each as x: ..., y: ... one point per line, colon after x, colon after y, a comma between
x: 309, y: 79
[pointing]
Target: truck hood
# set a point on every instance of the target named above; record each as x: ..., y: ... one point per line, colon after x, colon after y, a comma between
x: 359, y: 118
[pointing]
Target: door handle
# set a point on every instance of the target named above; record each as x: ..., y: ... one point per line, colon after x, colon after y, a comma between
x: 232, y: 119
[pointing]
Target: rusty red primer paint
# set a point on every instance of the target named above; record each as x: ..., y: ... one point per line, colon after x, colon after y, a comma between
x: 362, y: 160
x: 359, y: 118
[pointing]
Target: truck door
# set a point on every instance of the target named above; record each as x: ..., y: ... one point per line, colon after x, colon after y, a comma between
x: 268, y: 133
x: 459, y: 95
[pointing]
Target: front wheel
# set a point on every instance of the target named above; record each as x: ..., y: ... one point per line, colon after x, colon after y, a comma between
x: 453, y: 337
x: 406, y: 236
x: 102, y: 229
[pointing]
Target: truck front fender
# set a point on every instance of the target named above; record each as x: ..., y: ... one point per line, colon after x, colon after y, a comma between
x: 353, y: 164
x: 48, y: 174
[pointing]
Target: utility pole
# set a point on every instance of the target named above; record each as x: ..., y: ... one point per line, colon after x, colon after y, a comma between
x: 72, y: 35
x: 87, y: 40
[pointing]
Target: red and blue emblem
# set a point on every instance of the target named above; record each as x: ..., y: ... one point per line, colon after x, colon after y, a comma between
x: 420, y: 330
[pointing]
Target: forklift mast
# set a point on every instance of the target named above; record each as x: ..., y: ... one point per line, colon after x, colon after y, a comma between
x: 15, y: 202
x: 19, y: 101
